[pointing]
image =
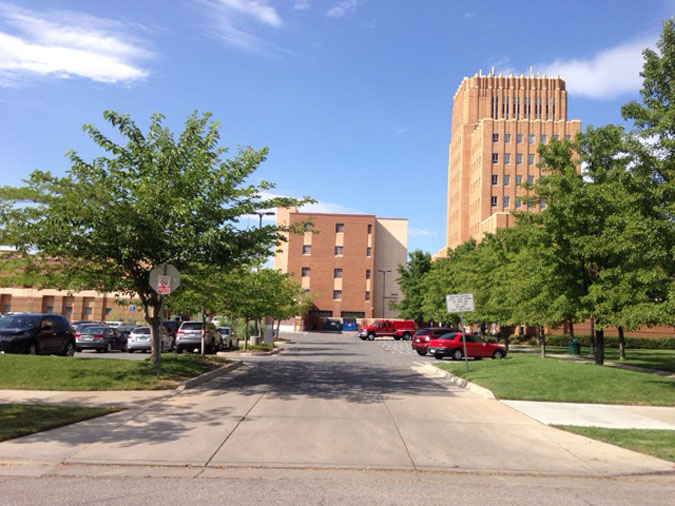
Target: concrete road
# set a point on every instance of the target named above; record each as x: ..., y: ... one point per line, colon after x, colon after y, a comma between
x: 333, y: 407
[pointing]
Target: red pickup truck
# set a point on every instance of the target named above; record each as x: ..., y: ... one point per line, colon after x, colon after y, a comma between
x: 398, y: 329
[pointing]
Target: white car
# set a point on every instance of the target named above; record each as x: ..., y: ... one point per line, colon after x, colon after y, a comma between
x: 227, y: 336
x: 139, y: 339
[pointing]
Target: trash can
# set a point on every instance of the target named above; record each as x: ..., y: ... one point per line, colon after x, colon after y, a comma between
x: 574, y: 348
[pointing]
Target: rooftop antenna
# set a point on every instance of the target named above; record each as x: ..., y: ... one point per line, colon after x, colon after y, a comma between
x: 493, y: 71
x: 531, y: 73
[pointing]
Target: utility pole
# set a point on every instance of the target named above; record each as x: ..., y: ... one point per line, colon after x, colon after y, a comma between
x: 384, y: 284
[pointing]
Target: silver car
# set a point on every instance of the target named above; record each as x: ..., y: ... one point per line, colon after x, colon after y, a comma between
x: 189, y: 337
x: 139, y: 339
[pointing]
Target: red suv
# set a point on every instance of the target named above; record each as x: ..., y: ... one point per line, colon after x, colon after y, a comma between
x: 451, y: 345
x: 422, y: 337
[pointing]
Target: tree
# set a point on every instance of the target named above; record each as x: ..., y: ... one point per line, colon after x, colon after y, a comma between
x: 410, y: 283
x: 150, y: 201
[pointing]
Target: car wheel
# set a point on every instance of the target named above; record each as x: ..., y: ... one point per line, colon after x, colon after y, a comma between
x: 438, y: 356
x: 108, y: 347
x: 363, y: 338
x: 406, y: 336
x: 32, y: 349
x: 421, y: 352
x: 498, y: 354
x: 129, y: 350
x: 79, y: 350
x: 397, y: 338
x: 69, y: 350
x: 371, y: 336
x: 457, y: 354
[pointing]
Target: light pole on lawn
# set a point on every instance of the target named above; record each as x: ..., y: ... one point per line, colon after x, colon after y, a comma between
x: 260, y: 215
x: 384, y: 284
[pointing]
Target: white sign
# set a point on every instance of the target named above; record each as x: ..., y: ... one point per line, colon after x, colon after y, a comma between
x: 164, y: 277
x: 459, y: 302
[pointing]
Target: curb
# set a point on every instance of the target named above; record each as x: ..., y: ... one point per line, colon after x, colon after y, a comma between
x: 208, y: 376
x: 260, y: 353
x: 431, y: 370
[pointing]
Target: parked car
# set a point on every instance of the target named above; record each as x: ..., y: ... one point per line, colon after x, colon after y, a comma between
x: 78, y: 325
x: 226, y: 336
x: 189, y: 337
x: 113, y: 323
x: 422, y: 337
x: 172, y: 327
x: 139, y: 340
x: 451, y: 345
x: 101, y: 339
x: 398, y: 329
x: 125, y: 330
x: 35, y: 333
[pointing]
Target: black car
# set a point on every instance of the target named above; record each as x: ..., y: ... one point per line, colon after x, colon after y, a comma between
x: 100, y: 339
x: 34, y: 333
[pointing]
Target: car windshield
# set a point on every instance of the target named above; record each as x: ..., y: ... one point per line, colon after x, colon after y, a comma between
x: 449, y: 337
x: 91, y: 329
x: 422, y: 332
x: 141, y: 330
x: 192, y: 326
x: 20, y: 321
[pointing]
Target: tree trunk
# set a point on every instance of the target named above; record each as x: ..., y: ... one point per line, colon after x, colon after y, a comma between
x: 542, y: 341
x: 278, y: 327
x: 506, y: 341
x: 246, y: 335
x: 154, y: 322
x: 600, y: 346
x: 203, y: 343
x: 571, y: 324
x: 591, y: 351
x: 622, y: 344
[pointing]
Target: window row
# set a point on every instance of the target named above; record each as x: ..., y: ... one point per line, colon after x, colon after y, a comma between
x: 339, y: 250
x: 337, y: 273
x: 340, y: 227
x: 506, y: 179
x: 530, y: 138
x: 519, y: 158
x: 506, y: 202
x: 337, y: 295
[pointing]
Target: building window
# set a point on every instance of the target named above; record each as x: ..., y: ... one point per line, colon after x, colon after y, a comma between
x: 530, y: 204
x: 568, y: 137
x: 49, y: 309
x: 530, y: 159
x: 338, y: 251
x: 542, y: 138
x: 542, y: 203
x: 305, y: 272
x: 495, y: 179
x: 495, y: 157
x: 369, y: 251
x: 530, y: 179
x: 507, y: 180
x: 337, y: 273
x: 519, y: 158
x: 493, y: 201
x: 306, y: 249
x: 495, y: 137
x: 367, y: 295
x: 87, y: 310
x: 367, y: 273
x: 108, y: 310
x: 507, y: 158
x: 337, y: 294
x: 69, y: 309
x: 370, y: 228
x: 519, y: 179
x: 339, y: 227
x: 507, y: 137
x: 554, y: 137
x: 305, y: 291
x: 506, y: 201
x: 530, y: 139
x: 518, y: 203
x: 519, y: 138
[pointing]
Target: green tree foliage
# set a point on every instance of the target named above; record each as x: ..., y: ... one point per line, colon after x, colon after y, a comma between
x: 410, y: 283
x: 150, y: 200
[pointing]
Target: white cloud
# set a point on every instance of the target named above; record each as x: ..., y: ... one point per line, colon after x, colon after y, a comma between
x: 605, y: 75
x: 341, y: 8
x: 67, y: 44
x: 329, y: 208
x: 301, y: 5
x: 258, y: 9
x: 421, y: 232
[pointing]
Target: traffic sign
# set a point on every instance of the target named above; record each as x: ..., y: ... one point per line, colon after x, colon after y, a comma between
x: 459, y: 302
x: 164, y: 279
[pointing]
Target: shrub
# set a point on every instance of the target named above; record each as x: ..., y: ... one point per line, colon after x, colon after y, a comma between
x: 643, y: 343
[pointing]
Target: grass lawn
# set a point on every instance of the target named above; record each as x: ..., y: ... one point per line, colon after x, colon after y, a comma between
x: 29, y: 372
x: 659, y: 443
x: 525, y: 376
x: 18, y: 420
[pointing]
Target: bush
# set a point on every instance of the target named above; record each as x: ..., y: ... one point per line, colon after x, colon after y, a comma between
x: 636, y: 343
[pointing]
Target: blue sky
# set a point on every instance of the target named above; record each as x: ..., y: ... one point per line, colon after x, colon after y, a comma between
x: 352, y: 97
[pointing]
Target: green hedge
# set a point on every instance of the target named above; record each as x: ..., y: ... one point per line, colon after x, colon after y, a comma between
x: 644, y: 343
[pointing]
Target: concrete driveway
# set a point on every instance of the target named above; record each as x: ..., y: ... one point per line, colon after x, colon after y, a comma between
x: 334, y: 402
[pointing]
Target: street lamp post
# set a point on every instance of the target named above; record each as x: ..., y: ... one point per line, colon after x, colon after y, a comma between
x: 260, y: 215
x: 384, y: 284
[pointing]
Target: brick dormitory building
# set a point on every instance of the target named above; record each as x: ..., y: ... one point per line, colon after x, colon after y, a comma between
x: 348, y: 262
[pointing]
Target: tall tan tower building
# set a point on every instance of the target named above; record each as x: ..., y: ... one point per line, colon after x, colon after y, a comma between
x: 497, y: 124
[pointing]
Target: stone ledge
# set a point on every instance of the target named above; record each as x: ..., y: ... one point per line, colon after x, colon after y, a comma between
x: 431, y: 370
x: 208, y: 376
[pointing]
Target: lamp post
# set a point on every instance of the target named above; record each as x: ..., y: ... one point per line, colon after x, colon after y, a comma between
x: 260, y: 215
x: 384, y: 284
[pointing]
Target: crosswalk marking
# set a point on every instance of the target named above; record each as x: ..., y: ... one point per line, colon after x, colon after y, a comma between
x: 399, y: 347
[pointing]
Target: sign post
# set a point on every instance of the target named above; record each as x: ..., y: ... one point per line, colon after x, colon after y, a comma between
x: 164, y: 279
x: 460, y: 303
